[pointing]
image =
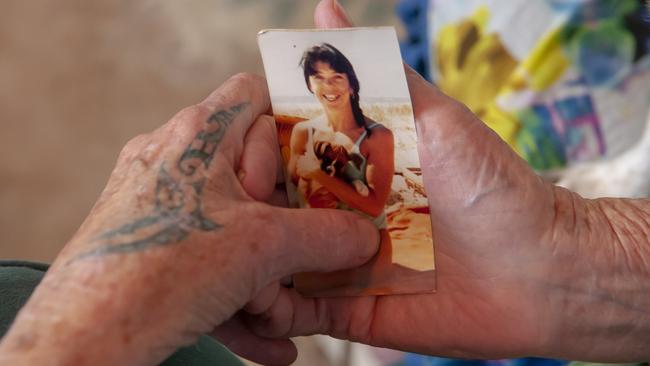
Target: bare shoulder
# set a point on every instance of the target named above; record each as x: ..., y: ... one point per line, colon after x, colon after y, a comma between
x: 383, y: 131
x: 379, y: 131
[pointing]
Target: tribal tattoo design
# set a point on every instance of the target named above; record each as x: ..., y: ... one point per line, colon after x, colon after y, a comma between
x: 177, y: 209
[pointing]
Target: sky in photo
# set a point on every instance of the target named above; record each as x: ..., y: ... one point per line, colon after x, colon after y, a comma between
x: 373, y: 52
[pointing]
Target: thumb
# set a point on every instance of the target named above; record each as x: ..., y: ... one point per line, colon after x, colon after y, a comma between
x: 432, y: 109
x: 321, y: 240
x: 424, y: 96
x: 330, y: 14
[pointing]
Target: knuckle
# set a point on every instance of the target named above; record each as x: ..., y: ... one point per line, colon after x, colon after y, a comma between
x: 247, y: 84
x: 188, y: 116
x: 137, y: 141
x: 139, y: 154
x: 267, y: 132
x: 268, y: 120
x: 271, y: 131
x: 133, y: 147
x: 247, y: 78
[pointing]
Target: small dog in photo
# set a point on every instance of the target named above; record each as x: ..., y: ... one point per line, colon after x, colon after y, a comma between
x: 347, y: 137
x: 337, y: 161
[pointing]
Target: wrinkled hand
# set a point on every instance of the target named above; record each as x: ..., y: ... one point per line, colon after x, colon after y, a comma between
x: 180, y: 240
x: 492, y: 225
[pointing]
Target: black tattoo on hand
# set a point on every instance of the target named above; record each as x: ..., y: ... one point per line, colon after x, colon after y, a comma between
x: 177, y: 207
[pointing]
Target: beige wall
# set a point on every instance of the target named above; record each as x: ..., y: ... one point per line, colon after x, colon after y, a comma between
x: 78, y: 78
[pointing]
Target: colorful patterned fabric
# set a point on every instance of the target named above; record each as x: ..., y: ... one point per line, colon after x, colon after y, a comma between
x: 559, y: 80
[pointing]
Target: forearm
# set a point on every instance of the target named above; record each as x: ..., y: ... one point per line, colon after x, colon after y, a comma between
x: 601, y: 295
x: 111, y: 309
x: 82, y: 316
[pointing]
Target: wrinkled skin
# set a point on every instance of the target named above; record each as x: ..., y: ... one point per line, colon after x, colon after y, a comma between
x: 159, y: 261
x: 506, y: 246
x: 174, y: 249
x: 491, y: 218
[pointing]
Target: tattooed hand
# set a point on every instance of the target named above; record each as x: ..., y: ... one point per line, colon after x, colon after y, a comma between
x: 179, y: 241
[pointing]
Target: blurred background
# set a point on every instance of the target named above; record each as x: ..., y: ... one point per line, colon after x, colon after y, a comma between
x: 78, y: 79
x: 566, y: 83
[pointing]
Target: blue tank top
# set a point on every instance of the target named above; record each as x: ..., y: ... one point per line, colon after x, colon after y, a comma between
x: 352, y: 172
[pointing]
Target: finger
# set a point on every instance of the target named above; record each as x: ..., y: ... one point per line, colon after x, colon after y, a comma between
x: 263, y: 301
x: 240, y: 100
x: 279, y: 196
x: 235, y: 336
x: 330, y: 14
x: 424, y: 96
x: 321, y: 240
x: 277, y: 319
x: 221, y: 121
x: 260, y: 161
x: 294, y: 315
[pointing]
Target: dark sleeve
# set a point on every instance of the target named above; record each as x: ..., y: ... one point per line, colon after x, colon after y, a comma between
x: 18, y: 279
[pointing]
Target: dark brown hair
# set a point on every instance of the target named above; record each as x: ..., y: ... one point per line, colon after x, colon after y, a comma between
x: 328, y: 54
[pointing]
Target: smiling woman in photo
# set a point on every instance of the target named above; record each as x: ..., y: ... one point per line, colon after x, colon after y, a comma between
x: 342, y: 159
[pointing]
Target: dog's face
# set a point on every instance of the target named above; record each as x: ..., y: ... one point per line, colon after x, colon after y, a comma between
x: 332, y: 157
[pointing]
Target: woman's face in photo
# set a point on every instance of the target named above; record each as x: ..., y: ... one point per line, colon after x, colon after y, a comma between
x: 331, y: 88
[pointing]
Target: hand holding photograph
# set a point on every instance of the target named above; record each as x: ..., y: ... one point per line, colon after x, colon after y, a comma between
x: 347, y: 137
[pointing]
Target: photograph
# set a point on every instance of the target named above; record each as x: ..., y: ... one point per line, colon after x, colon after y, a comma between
x: 348, y: 141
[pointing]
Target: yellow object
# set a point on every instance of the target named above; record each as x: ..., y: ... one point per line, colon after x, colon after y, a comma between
x: 474, y: 68
x: 503, y: 123
x: 545, y: 64
x: 477, y: 69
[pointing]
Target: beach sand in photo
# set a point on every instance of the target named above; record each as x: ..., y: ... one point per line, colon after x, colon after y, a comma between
x: 411, y: 267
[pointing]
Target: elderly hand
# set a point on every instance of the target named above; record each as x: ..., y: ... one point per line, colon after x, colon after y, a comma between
x: 523, y: 267
x: 179, y: 241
